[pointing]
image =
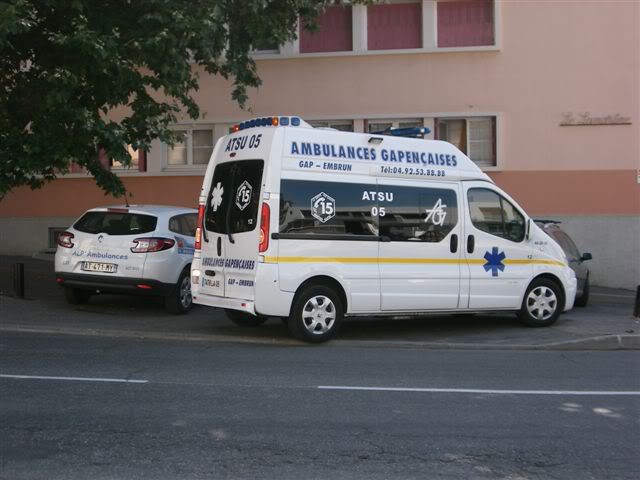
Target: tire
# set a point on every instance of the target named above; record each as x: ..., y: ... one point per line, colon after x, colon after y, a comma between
x: 316, y: 314
x: 244, y: 319
x: 179, y: 301
x: 542, y: 303
x: 76, y: 296
x: 583, y: 299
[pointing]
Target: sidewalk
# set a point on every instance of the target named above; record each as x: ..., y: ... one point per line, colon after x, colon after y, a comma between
x: 607, y: 323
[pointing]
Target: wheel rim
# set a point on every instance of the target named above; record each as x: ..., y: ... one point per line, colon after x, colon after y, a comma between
x: 542, y: 303
x: 319, y: 315
x: 185, y: 293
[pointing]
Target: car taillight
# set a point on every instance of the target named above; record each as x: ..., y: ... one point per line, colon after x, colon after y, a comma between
x: 151, y: 244
x: 64, y: 239
x: 198, y: 244
x: 264, y: 228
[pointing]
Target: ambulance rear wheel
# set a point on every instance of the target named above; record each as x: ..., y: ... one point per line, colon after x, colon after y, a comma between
x: 542, y: 303
x: 244, y: 319
x: 76, y: 296
x: 316, y: 315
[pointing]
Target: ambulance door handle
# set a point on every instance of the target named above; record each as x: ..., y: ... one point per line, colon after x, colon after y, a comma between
x: 219, y: 246
x: 453, y: 246
x: 471, y: 244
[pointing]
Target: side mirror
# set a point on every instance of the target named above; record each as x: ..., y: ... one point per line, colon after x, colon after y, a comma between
x: 528, y: 229
x: 585, y: 257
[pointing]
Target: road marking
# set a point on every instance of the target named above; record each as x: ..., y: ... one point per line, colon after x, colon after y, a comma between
x: 75, y: 379
x: 612, y: 295
x: 478, y: 390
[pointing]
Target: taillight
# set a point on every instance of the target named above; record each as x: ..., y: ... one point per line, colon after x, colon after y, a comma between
x: 198, y: 244
x: 264, y: 228
x: 151, y: 244
x: 64, y: 239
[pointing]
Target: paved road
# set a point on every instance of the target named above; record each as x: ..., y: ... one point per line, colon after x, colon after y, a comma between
x: 257, y: 411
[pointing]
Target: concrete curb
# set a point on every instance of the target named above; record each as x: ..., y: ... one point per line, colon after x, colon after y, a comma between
x: 604, y: 342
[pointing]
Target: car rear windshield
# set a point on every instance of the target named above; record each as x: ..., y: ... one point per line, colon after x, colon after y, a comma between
x: 116, y: 223
x: 234, y: 197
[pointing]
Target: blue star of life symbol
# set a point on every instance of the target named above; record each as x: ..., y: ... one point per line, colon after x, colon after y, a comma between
x: 494, y: 261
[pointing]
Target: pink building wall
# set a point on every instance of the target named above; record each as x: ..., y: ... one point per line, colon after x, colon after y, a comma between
x: 552, y: 57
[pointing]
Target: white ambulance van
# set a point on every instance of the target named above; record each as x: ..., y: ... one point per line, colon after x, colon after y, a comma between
x: 312, y: 225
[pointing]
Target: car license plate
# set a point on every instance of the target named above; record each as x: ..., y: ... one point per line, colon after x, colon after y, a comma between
x: 99, y: 267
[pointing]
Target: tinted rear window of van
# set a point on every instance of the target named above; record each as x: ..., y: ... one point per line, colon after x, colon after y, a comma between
x: 116, y: 223
x: 234, y: 197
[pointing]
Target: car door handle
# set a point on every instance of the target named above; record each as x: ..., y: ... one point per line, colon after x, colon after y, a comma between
x: 471, y: 243
x: 453, y: 245
x: 219, y: 246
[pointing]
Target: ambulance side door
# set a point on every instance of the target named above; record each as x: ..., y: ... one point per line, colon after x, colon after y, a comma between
x: 419, y: 251
x: 498, y: 254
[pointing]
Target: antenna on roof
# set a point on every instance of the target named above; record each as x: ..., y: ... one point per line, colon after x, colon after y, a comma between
x: 411, y: 132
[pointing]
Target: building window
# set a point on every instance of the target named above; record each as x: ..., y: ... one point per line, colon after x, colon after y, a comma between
x: 475, y: 136
x: 138, y: 160
x: 394, y: 26
x: 342, y: 125
x: 334, y: 34
x: 267, y: 46
x: 465, y: 23
x: 195, y: 148
x: 380, y: 125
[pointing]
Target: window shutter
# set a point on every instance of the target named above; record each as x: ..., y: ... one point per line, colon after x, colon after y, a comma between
x: 465, y: 23
x: 142, y: 161
x: 334, y: 33
x: 394, y: 26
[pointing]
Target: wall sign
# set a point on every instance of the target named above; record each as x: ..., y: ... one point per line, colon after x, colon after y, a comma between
x: 582, y: 119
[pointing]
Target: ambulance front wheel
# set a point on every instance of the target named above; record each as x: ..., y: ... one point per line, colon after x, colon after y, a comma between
x: 316, y: 315
x: 542, y: 303
x: 244, y: 319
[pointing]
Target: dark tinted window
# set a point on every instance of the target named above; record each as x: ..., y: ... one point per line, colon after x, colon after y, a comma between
x: 495, y: 215
x: 234, y: 197
x: 184, y: 224
x: 567, y: 244
x: 414, y: 214
x: 116, y: 223
x: 327, y: 208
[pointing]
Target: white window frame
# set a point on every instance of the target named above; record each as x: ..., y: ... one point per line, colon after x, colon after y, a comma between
x: 188, y: 139
x: 395, y: 122
x: 467, y: 117
x: 121, y: 168
x: 291, y: 49
x: 331, y: 123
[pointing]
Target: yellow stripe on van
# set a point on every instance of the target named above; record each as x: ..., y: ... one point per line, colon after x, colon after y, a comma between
x: 400, y: 260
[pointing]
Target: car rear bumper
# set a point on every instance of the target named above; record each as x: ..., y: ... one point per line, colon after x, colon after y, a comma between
x: 107, y: 284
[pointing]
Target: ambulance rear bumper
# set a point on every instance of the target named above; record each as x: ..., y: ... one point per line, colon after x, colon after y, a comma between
x: 225, y: 302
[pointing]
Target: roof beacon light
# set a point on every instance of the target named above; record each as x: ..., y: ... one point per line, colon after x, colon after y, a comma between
x: 268, y: 122
x: 412, y: 132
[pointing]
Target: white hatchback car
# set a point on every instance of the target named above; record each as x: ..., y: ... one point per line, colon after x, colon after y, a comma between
x: 137, y: 249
